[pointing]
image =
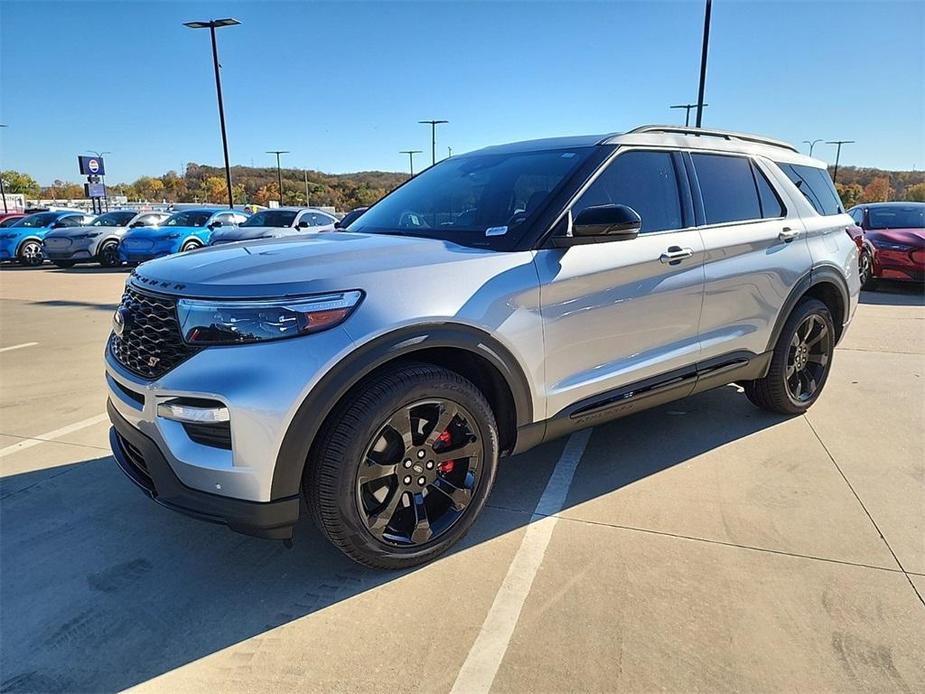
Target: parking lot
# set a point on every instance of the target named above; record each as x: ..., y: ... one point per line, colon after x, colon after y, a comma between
x: 701, y: 546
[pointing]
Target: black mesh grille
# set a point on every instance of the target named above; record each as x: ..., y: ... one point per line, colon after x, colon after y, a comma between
x: 150, y: 344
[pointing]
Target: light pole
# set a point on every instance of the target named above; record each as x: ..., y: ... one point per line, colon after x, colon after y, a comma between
x: 2, y: 189
x: 703, y: 60
x: 838, y: 144
x: 433, y: 137
x: 687, y: 111
x: 103, y: 177
x: 279, y: 174
x: 411, y: 153
x: 812, y: 143
x: 211, y: 25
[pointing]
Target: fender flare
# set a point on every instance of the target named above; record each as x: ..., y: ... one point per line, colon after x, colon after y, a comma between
x: 823, y: 274
x: 324, y: 396
x: 30, y: 238
x: 105, y: 239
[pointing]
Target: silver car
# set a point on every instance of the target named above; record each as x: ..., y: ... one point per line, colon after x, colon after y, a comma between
x: 277, y: 222
x: 497, y: 300
x: 99, y: 240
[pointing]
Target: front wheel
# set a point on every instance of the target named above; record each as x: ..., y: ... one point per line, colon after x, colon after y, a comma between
x: 866, y: 271
x: 108, y: 255
x: 403, y: 467
x: 190, y: 246
x: 31, y: 254
x: 800, y: 363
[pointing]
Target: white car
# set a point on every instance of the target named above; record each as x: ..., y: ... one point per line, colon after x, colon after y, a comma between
x: 275, y: 223
x: 99, y: 241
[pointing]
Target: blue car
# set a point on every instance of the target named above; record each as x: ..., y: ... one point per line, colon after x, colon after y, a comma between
x: 182, y: 231
x: 22, y: 241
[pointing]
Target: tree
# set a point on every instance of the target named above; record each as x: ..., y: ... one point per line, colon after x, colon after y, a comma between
x: 878, y: 190
x: 850, y: 194
x: 916, y: 192
x: 18, y: 182
x: 215, y: 189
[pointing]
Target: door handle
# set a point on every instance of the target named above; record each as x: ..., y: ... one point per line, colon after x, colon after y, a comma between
x: 787, y: 234
x: 675, y: 254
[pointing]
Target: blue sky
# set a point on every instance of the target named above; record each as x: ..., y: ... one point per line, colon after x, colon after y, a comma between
x: 343, y: 84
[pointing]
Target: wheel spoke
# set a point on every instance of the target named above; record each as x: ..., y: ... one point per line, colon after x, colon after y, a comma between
x: 378, y: 522
x: 422, y: 531
x: 372, y: 471
x: 401, y: 423
x: 467, y: 451
x: 447, y: 412
x: 821, y: 359
x: 791, y: 368
x: 819, y: 336
x: 460, y: 496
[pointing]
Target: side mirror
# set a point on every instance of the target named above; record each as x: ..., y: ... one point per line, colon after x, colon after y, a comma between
x: 601, y: 224
x: 304, y: 224
x: 134, y: 225
x: 337, y: 225
x: 217, y: 223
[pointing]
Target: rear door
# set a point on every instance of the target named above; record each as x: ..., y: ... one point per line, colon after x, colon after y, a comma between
x: 621, y: 317
x: 755, y: 251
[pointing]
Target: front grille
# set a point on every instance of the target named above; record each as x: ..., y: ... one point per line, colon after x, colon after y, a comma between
x: 150, y: 344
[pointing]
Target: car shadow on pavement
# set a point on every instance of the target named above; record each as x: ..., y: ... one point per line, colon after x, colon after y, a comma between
x: 890, y: 293
x: 103, y: 589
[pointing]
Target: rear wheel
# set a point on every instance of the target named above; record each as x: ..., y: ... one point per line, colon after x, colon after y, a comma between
x: 108, y: 254
x: 403, y: 467
x: 866, y: 271
x: 31, y: 254
x: 190, y: 246
x: 800, y: 364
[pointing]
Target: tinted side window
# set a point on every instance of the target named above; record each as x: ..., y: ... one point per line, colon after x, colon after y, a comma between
x: 857, y: 216
x: 727, y: 188
x: 771, y: 206
x: 72, y: 221
x: 816, y: 186
x: 645, y: 181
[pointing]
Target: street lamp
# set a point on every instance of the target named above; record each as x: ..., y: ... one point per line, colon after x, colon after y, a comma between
x: 687, y: 111
x: 812, y: 143
x: 411, y: 153
x: 279, y: 175
x: 433, y: 137
x: 838, y: 144
x: 2, y: 189
x: 211, y: 25
x: 703, y: 60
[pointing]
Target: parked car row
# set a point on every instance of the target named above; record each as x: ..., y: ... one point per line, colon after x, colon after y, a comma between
x: 891, y: 240
x: 68, y: 237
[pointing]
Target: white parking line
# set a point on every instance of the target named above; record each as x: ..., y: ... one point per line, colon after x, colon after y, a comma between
x: 478, y: 672
x: 12, y: 347
x: 51, y: 435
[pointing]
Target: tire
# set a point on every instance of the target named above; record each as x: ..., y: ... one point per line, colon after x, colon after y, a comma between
x: 866, y: 271
x: 190, y: 246
x: 374, y: 518
x: 64, y: 264
x: 108, y: 254
x: 796, y: 376
x: 31, y: 253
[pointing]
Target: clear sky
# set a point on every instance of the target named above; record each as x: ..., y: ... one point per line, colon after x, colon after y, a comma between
x: 343, y: 84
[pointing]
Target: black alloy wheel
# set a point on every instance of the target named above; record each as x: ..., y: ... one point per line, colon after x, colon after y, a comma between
x: 109, y: 254
x: 808, y: 359
x: 865, y: 268
x: 419, y: 473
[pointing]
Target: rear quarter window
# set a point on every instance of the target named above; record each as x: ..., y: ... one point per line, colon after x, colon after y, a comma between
x: 816, y: 186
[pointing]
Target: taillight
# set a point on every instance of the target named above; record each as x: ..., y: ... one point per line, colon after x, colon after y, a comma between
x: 857, y: 235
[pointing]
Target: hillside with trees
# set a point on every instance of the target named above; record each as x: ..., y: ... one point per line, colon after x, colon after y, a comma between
x: 206, y: 184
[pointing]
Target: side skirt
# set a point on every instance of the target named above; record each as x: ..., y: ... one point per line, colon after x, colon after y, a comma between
x: 643, y: 395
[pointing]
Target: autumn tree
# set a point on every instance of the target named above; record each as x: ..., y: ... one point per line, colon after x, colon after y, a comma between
x: 850, y: 194
x: 916, y: 192
x: 18, y: 182
x: 878, y: 190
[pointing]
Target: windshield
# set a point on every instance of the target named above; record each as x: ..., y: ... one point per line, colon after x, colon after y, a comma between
x: 271, y: 218
x: 190, y: 218
x: 472, y: 199
x: 911, y: 217
x: 42, y: 219
x: 113, y: 219
x: 351, y: 217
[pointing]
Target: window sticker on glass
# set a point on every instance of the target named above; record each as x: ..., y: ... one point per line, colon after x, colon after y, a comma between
x: 496, y: 231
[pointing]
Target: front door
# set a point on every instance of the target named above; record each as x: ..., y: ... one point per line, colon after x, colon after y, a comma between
x: 624, y: 312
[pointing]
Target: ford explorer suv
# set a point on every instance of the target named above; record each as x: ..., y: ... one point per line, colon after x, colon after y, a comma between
x: 497, y: 300
x: 98, y: 242
x: 276, y: 223
x: 22, y: 240
x: 186, y: 230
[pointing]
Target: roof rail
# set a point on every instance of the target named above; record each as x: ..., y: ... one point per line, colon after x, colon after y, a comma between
x: 726, y: 134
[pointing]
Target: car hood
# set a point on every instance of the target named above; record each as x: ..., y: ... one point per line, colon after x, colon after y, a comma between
x: 78, y: 231
x: 911, y: 237
x: 247, y: 233
x: 308, y: 264
x: 160, y: 232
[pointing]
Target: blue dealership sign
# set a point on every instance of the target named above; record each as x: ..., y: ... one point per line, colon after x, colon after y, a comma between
x: 91, y: 166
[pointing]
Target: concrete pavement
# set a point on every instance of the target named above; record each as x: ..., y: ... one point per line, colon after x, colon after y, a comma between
x: 702, y: 546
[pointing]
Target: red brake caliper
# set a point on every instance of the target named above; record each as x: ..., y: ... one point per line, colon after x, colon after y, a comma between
x: 445, y: 467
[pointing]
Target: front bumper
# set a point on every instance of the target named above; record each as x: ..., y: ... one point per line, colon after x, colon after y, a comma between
x: 151, y: 250
x: 142, y: 461
x: 68, y: 249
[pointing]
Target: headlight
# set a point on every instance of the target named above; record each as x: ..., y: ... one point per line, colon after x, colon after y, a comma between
x: 885, y: 245
x: 234, y: 322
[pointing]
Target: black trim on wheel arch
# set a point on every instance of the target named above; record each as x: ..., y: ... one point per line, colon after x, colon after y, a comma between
x: 824, y: 274
x: 273, y: 519
x: 27, y: 240
x: 302, y: 431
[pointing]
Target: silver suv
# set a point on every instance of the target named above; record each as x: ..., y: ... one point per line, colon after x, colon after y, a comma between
x: 495, y: 301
